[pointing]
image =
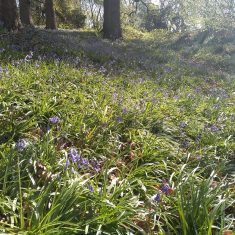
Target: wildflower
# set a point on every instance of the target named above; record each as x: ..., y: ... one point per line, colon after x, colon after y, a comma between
x: 67, y: 164
x: 29, y: 56
x: 21, y: 145
x: 95, y: 165
x: 37, y: 65
x: 119, y: 119
x: 115, y: 96
x: 97, y: 168
x: 125, y: 110
x: 91, y: 189
x: 73, y: 154
x: 54, y: 120
x: 183, y: 124
x: 157, y: 197
x: 2, y: 50
x: 199, y: 158
x: 165, y: 188
x: 214, y: 128
x: 85, y: 161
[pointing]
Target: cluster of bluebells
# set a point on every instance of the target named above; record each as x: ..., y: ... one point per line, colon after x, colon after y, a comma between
x: 74, y: 158
x: 212, y: 128
x: 21, y: 145
x: 165, y: 189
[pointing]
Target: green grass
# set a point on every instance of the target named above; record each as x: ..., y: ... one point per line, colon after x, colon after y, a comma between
x: 141, y: 125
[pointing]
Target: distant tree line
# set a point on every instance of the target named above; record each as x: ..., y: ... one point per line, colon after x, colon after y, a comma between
x: 109, y: 15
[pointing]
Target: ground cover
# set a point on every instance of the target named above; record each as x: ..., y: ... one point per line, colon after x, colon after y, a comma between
x: 129, y: 137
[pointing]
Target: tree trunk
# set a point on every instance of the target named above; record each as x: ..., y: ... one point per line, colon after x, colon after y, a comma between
x: 9, y: 15
x: 1, y: 17
x: 50, y: 15
x: 112, y: 21
x: 25, y: 12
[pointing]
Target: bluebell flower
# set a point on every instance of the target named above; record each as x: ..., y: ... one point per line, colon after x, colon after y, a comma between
x: 85, y: 161
x: 91, y: 189
x: 183, y: 124
x: 37, y: 65
x: 29, y: 56
x: 125, y: 110
x: 157, y: 197
x: 165, y: 188
x: 97, y: 168
x: 2, y: 50
x: 115, y: 96
x: 54, y: 120
x: 21, y: 145
x: 119, y: 119
x: 214, y: 128
x: 73, y: 154
x: 67, y: 164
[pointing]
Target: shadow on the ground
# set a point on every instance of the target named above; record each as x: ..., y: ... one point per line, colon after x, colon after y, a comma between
x: 149, y: 54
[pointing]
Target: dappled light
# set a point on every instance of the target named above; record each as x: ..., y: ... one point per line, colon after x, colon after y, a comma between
x: 117, y: 117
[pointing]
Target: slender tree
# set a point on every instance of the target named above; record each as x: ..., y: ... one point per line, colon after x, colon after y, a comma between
x: 1, y: 17
x: 9, y: 14
x: 50, y: 15
x: 112, y: 22
x: 25, y: 12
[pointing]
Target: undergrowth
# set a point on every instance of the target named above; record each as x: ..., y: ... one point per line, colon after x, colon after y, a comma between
x: 93, y: 144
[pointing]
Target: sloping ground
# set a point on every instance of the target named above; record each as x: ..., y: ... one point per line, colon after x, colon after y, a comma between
x: 128, y: 137
x: 204, y: 50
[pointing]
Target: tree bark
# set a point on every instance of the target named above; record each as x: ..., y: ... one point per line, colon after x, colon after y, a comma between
x: 112, y: 21
x: 25, y: 12
x: 9, y: 15
x: 50, y: 15
x: 1, y: 17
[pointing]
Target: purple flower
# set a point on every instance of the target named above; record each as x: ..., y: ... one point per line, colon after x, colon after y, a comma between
x: 165, y: 188
x: 95, y: 165
x: 125, y: 110
x: 2, y: 50
x: 157, y: 197
x: 97, y: 168
x: 115, y: 96
x: 37, y: 65
x: 54, y: 120
x: 21, y: 145
x: 91, y: 189
x: 183, y: 124
x: 73, y: 154
x: 119, y: 119
x: 214, y: 128
x: 29, y: 56
x: 67, y: 164
x: 85, y: 161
